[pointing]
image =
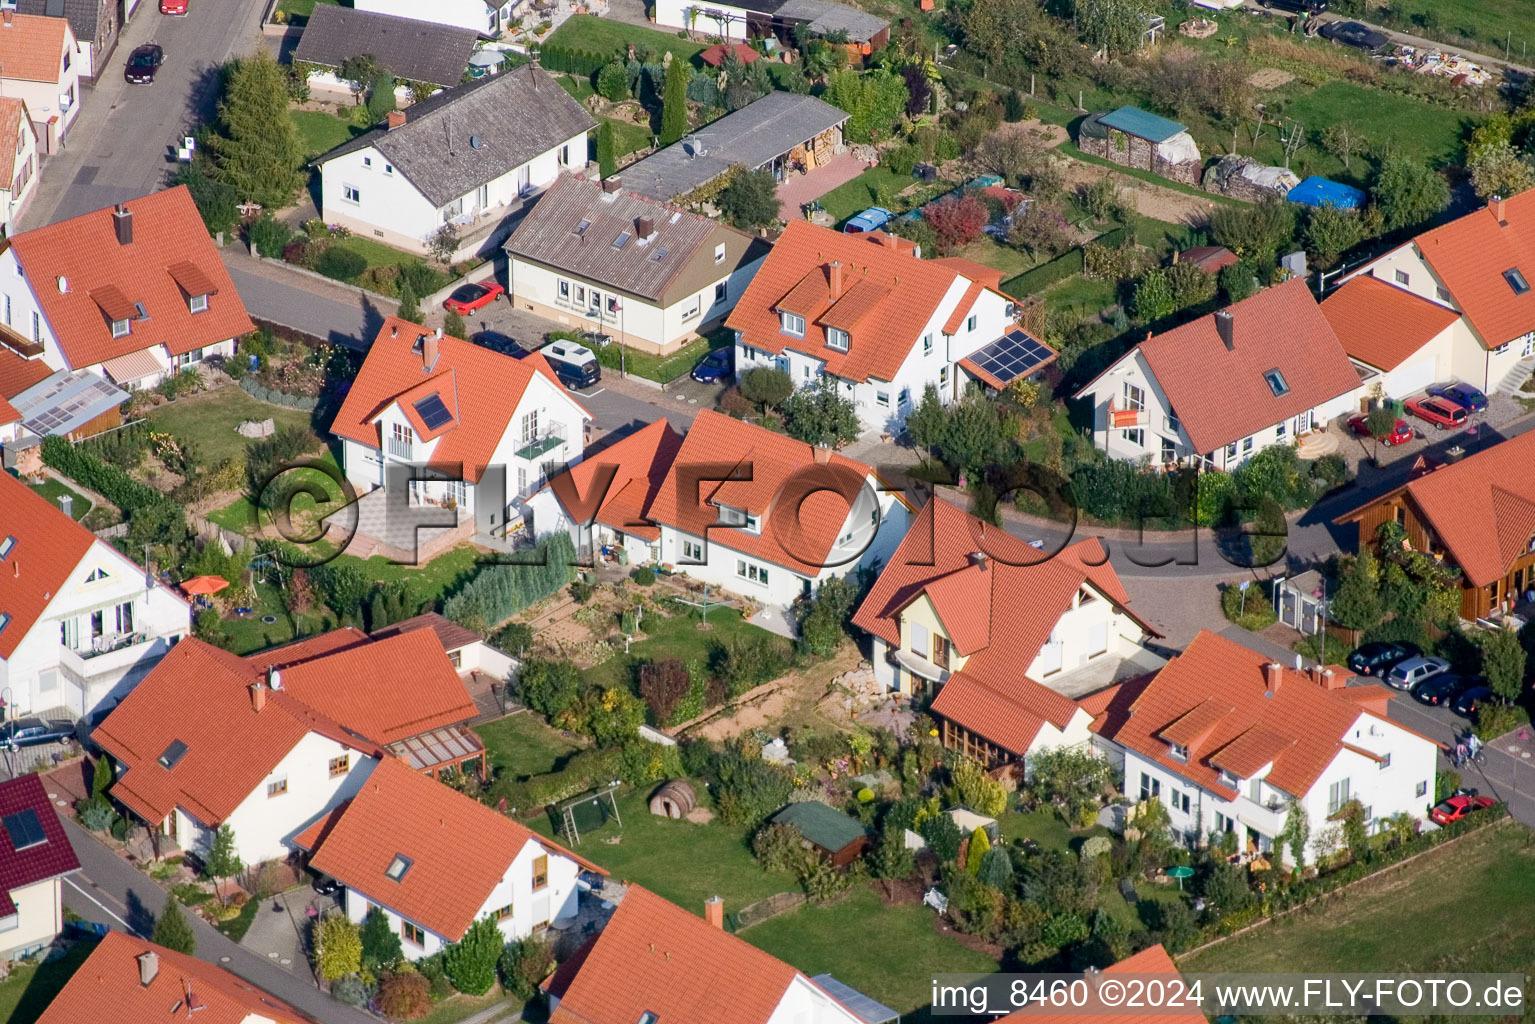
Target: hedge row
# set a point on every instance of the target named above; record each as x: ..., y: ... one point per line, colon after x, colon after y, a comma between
x: 572, y: 62
x: 497, y: 592
x: 105, y: 479
x: 1032, y: 282
x: 258, y: 391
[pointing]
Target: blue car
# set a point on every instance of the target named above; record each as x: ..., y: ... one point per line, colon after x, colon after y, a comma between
x: 713, y: 367
x: 872, y: 219
x: 1463, y: 395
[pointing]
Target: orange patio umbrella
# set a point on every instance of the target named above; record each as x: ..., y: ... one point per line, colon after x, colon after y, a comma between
x: 204, y: 585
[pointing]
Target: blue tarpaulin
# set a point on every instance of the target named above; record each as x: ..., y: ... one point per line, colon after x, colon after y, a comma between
x: 1315, y: 191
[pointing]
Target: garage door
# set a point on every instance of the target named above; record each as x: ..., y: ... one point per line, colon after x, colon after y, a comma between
x: 1410, y: 377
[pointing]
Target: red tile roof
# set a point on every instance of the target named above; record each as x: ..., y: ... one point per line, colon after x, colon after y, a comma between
x: 1383, y: 325
x: 1210, y: 258
x: 200, y: 695
x: 991, y: 277
x: 399, y: 811
x: 888, y: 294
x: 32, y: 47
x: 1470, y: 256
x: 655, y: 956
x: 1215, y: 700
x: 748, y: 467
x: 1279, y: 328
x: 640, y: 465
x: 30, y: 864
x: 714, y: 56
x: 449, y: 633
x: 108, y: 987
x: 484, y: 387
x: 13, y: 115
x: 17, y: 373
x: 167, y: 232
x: 49, y: 545
x: 1151, y: 960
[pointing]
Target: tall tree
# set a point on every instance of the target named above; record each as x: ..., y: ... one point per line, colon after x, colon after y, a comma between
x: 1356, y: 604
x: 1115, y: 26
x: 173, y: 930
x: 607, y: 150
x: 1500, y: 170
x: 223, y: 860
x: 1408, y: 192
x: 674, y: 102
x: 819, y: 415
x: 751, y: 198
x: 256, y: 148
x: 1503, y: 664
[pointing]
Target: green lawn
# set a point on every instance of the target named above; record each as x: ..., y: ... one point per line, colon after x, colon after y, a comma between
x: 53, y: 491
x: 674, y: 636
x: 210, y: 420
x: 579, y: 88
x: 31, y: 987
x: 678, y: 860
x: 1430, y: 132
x: 1486, y: 23
x: 1047, y: 829
x: 320, y: 132
x: 237, y: 926
x: 992, y: 253
x: 604, y: 35
x: 524, y: 745
x: 864, y: 191
x: 380, y: 255
x: 305, y: 513
x: 1086, y: 295
x: 665, y: 369
x: 1462, y: 907
x: 887, y: 953
x: 627, y: 138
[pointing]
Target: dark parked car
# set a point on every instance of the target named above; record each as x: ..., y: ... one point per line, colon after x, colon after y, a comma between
x: 1374, y: 659
x: 31, y: 732
x: 1457, y: 807
x: 143, y: 63
x: 1464, y: 395
x: 1467, y: 703
x: 1439, y: 691
x: 1299, y: 6
x: 326, y: 886
x: 713, y: 367
x: 498, y: 342
x: 1352, y: 33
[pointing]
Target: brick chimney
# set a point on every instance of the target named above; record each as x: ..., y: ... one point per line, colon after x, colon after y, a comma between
x: 394, y: 119
x: 1496, y: 205
x: 1225, y: 326
x: 1273, y: 675
x: 122, y: 223
x: 429, y: 345
x: 714, y: 911
x: 822, y: 455
x: 8, y: 13
x: 149, y: 961
x: 834, y: 272
x: 258, y: 696
x: 1315, y: 671
x: 644, y: 227
x: 610, y: 186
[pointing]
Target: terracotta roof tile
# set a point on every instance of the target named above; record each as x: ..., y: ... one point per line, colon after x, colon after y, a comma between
x: 1470, y: 256
x: 1299, y: 725
x: 655, y: 956
x: 487, y: 388
x: 750, y: 467
x: 991, y: 277
x: 1279, y: 328
x: 1149, y: 961
x: 901, y: 296
x: 48, y: 547
x: 962, y: 307
x: 640, y: 465
x: 32, y: 47
x: 449, y: 633
x: 167, y: 230
x: 1383, y: 325
x: 17, y: 373
x: 51, y: 857
x: 12, y: 112
x: 399, y: 811
x: 1005, y: 720
x: 107, y: 986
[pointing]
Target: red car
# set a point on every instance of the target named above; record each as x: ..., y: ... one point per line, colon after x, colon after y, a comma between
x: 1401, y: 433
x: 1457, y: 807
x: 472, y: 296
x: 1437, y: 411
x: 173, y: 7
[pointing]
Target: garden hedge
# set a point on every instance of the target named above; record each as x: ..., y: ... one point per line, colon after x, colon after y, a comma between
x: 497, y: 592
x: 105, y: 479
x: 1032, y: 282
x: 572, y: 62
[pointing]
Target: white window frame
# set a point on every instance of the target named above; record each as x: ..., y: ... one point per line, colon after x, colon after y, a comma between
x: 791, y: 324
x: 351, y: 194
x: 198, y: 303
x: 836, y: 338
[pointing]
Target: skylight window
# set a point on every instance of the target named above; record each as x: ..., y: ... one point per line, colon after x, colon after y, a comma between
x: 398, y: 867
x: 1516, y: 281
x: 6, y: 546
x: 648, y: 1018
x: 24, y: 829
x: 581, y: 227
x: 619, y: 242
x: 5, y: 620
x: 1276, y: 382
x: 173, y: 754
x: 658, y: 255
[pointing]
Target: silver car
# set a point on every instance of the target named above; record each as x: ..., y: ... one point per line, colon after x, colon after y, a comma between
x: 1404, y: 675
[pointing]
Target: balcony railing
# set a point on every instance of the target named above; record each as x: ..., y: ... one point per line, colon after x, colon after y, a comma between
x: 109, y: 642
x: 79, y: 666
x: 400, y: 449
x: 540, y: 444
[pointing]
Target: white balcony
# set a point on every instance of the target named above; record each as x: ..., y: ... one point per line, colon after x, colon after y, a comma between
x: 112, y: 657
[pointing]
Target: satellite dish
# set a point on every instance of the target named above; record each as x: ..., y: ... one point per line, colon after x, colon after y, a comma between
x: 474, y: 142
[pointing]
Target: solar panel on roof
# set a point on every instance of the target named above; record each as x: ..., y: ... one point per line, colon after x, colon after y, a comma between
x: 24, y: 829
x: 1011, y: 356
x: 432, y: 412
x: 863, y: 1007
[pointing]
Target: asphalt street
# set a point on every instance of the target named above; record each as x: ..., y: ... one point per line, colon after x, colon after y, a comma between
x: 110, y: 892
x: 123, y: 144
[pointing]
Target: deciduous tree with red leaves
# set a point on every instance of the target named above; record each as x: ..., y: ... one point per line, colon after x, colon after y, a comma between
x: 663, y: 684
x: 958, y: 220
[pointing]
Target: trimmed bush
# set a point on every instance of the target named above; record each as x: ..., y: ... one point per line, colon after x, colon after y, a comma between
x: 341, y: 263
x: 497, y: 592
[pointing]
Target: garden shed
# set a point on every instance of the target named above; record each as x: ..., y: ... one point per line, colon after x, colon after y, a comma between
x: 1143, y: 140
x: 675, y: 799
x: 834, y: 835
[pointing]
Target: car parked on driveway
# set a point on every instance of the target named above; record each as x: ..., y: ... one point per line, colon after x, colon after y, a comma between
x: 713, y: 367
x: 1404, y: 675
x: 1401, y: 433
x: 498, y: 342
x: 1464, y: 395
x: 1438, y: 691
x: 872, y: 219
x: 1375, y: 658
x: 470, y: 297
x: 1438, y: 411
x: 143, y: 62
x: 33, y: 732
x: 1468, y: 702
x: 175, y: 8
x: 1352, y: 33
x: 1457, y: 807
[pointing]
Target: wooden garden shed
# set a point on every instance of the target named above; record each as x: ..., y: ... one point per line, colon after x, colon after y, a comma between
x: 834, y: 835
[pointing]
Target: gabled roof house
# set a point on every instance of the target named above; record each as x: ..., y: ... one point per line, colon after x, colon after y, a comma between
x: 269, y: 743
x: 597, y: 256
x: 40, y: 64
x: 95, y: 24
x: 1004, y: 635
x: 465, y: 158
x: 399, y: 844
x: 1228, y: 740
x: 131, y: 293
x: 1398, y: 339
x: 35, y: 855
x: 862, y: 313
x: 80, y: 624
x: 19, y: 160
x: 1218, y: 390
x: 417, y: 51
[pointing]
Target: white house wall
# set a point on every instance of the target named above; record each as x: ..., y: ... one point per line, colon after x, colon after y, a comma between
x: 263, y: 825
x: 39, y: 917
x: 26, y: 165
x: 470, y: 14
x: 1077, y: 634
x: 804, y: 1002
x: 48, y: 100
x: 713, y: 19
